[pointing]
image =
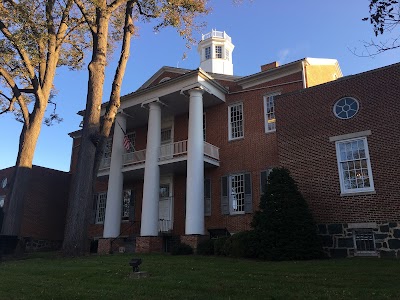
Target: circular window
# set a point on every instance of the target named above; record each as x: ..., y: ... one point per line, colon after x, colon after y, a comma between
x: 346, y: 108
x: 4, y: 182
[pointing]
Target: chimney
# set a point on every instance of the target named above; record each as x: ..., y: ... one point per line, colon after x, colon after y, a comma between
x: 269, y: 66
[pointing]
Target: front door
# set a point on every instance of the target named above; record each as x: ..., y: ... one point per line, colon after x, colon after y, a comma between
x: 165, y: 205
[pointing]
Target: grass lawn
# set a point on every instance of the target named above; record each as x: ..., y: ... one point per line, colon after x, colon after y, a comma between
x: 46, y: 276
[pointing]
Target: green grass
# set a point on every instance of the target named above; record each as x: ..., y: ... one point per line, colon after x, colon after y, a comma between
x: 46, y: 276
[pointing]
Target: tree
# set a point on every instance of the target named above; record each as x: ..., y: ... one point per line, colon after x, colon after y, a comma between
x: 384, y: 16
x: 284, y: 224
x: 99, y: 14
x: 35, y: 39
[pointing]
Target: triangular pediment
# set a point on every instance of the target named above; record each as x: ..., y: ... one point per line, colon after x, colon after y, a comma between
x: 164, y: 74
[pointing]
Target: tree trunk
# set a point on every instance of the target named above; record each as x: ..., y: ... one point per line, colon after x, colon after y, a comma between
x: 14, y: 206
x: 115, y: 97
x: 80, y: 198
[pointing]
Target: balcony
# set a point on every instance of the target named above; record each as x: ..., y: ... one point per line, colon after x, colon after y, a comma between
x: 168, y: 153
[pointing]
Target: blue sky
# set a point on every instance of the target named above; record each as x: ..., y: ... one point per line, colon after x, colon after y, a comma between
x: 262, y: 31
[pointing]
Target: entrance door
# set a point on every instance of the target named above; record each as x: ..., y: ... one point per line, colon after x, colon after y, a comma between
x: 166, y: 150
x: 165, y: 216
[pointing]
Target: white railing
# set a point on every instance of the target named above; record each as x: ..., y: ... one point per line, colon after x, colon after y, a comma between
x: 164, y: 225
x: 216, y: 33
x: 105, y: 163
x: 169, y: 151
x: 211, y: 151
x: 136, y: 157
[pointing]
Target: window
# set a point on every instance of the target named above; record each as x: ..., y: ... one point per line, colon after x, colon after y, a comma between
x: 132, y: 138
x: 346, y: 108
x: 207, y: 197
x: 207, y: 53
x: 126, y: 203
x: 236, y: 194
x: 101, y: 201
x: 218, y: 51
x: 2, y: 198
x: 235, y: 121
x: 364, y: 241
x: 227, y: 54
x: 269, y: 112
x: 166, y: 135
x: 263, y: 180
x: 354, y: 166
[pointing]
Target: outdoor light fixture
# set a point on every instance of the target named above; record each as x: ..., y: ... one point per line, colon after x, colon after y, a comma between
x: 135, y: 263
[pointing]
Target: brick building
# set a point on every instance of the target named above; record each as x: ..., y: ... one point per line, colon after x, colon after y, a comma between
x: 200, y: 145
x: 45, y: 207
x: 340, y: 140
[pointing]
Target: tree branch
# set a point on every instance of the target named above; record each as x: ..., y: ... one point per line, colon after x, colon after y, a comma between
x: 139, y: 6
x: 22, y: 53
x: 17, y: 94
x: 82, y: 8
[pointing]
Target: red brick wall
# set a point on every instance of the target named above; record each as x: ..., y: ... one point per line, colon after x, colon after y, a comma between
x: 305, y: 121
x: 234, y: 155
x: 45, y: 203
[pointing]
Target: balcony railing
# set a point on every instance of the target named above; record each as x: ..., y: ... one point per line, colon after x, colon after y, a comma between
x: 216, y: 33
x: 164, y: 225
x: 167, y: 152
x: 136, y: 157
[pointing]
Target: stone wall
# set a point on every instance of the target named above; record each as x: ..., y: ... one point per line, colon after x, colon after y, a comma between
x: 338, y: 239
x: 33, y: 245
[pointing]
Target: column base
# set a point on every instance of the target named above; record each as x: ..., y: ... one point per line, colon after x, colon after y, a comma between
x: 148, y: 244
x: 193, y: 240
x: 109, y: 245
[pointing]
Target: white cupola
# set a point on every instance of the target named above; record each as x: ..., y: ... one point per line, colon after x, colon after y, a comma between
x: 215, y: 50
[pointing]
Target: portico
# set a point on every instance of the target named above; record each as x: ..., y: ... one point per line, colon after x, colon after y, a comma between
x: 188, y: 94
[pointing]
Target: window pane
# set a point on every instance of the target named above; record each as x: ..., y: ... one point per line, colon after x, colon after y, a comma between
x: 236, y: 121
x: 237, y: 192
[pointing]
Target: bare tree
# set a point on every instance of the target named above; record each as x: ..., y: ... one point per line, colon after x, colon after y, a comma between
x: 384, y: 17
x: 99, y: 15
x: 35, y: 38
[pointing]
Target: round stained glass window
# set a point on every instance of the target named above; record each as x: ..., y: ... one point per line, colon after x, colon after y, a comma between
x: 346, y: 108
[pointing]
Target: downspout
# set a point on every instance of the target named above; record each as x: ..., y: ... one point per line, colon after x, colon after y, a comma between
x: 303, y: 73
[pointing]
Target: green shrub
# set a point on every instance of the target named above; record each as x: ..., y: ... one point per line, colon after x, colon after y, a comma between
x: 284, y: 223
x: 243, y: 244
x: 206, y: 247
x: 219, y: 246
x: 182, y: 249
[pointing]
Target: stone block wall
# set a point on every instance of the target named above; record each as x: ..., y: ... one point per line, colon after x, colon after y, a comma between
x: 338, y: 239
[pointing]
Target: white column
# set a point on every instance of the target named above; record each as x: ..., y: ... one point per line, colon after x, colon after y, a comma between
x: 112, y: 221
x: 151, y: 186
x: 195, y: 166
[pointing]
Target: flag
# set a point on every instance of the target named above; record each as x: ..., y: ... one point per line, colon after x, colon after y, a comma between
x: 127, y: 143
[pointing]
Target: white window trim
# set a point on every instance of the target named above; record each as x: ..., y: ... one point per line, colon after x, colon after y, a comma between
x: 265, y: 98
x: 230, y: 198
x: 341, y: 179
x: 230, y: 138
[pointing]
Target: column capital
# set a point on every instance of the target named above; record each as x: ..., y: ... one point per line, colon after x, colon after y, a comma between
x: 194, y: 87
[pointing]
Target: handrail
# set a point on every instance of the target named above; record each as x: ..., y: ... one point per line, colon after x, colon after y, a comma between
x: 216, y: 33
x: 169, y: 151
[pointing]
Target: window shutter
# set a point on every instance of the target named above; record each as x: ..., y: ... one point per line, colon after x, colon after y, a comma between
x: 248, y: 199
x: 224, y: 196
x: 132, y: 207
x: 207, y: 197
x: 94, y: 210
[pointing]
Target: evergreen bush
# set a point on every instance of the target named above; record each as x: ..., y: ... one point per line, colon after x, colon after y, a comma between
x: 284, y: 223
x: 181, y: 249
x: 206, y: 247
x: 219, y: 246
x: 242, y: 244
